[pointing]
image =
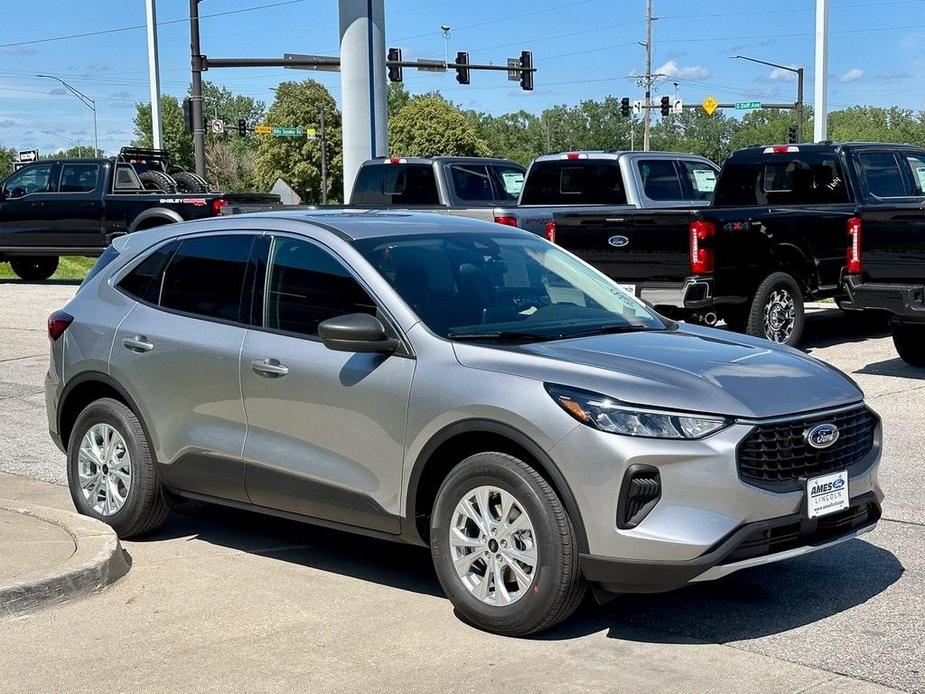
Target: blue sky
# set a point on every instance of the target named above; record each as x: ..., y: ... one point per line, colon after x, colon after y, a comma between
x: 582, y: 49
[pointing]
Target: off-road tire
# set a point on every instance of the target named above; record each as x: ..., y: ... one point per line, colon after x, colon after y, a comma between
x: 773, y: 286
x: 909, y: 340
x: 158, y: 180
x: 188, y: 182
x: 34, y: 268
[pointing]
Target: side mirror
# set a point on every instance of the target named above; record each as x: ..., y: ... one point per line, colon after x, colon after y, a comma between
x: 356, y: 332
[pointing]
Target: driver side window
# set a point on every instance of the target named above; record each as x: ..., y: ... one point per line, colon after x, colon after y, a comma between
x: 30, y: 179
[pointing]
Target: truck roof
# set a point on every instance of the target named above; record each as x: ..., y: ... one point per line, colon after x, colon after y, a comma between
x: 441, y: 159
x: 614, y: 154
x: 816, y: 147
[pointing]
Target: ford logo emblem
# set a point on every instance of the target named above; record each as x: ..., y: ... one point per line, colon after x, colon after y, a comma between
x: 821, y: 435
x: 618, y: 241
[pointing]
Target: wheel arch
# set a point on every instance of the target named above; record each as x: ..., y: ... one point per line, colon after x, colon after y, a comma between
x: 153, y: 217
x: 790, y: 258
x: 452, y: 444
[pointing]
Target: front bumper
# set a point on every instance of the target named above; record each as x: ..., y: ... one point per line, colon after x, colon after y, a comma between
x: 904, y: 301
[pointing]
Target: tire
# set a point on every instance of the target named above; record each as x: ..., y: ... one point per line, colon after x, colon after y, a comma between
x: 909, y: 341
x: 158, y: 180
x: 143, y: 508
x: 736, y: 318
x: 34, y: 268
x: 188, y: 182
x: 776, y: 310
x: 543, y: 596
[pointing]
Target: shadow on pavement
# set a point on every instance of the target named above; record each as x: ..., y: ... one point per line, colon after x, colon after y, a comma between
x: 893, y: 367
x: 49, y: 283
x: 833, y: 327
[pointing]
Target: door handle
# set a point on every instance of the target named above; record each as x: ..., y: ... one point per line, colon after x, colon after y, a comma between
x: 38, y: 203
x: 270, y: 368
x: 139, y: 343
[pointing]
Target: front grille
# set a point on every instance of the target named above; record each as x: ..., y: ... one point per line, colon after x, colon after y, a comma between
x: 776, y: 456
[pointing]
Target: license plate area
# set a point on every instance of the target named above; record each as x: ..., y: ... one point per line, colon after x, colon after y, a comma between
x: 827, y: 494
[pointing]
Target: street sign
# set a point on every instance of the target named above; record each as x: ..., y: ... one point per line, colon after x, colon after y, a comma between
x: 28, y: 155
x: 218, y: 126
x: 746, y: 105
x: 710, y: 104
x: 263, y: 129
x: 310, y: 133
x: 677, y: 107
x: 637, y: 106
x: 428, y: 65
x: 288, y: 132
x: 513, y: 69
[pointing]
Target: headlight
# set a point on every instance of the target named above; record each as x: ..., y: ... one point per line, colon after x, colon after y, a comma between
x: 606, y: 414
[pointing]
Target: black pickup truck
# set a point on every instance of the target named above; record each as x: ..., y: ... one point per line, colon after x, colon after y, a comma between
x: 787, y: 223
x: 56, y: 207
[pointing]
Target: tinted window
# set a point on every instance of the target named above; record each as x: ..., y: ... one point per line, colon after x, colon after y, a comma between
x: 660, y: 179
x: 882, y: 174
x: 78, y: 178
x: 206, y: 276
x: 701, y: 179
x: 31, y: 179
x: 107, y: 257
x: 509, y: 180
x: 308, y: 285
x: 144, y: 281
x: 395, y: 184
x: 916, y: 163
x: 803, y: 179
x: 471, y: 183
x: 574, y: 182
x: 126, y: 178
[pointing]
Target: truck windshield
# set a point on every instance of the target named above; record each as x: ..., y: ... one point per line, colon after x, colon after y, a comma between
x: 802, y: 178
x: 574, y: 182
x: 467, y: 286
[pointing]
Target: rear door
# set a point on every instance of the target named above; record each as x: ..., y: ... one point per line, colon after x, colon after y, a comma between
x: 75, y: 210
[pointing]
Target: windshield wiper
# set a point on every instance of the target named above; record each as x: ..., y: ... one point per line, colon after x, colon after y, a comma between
x: 607, y: 329
x: 507, y: 335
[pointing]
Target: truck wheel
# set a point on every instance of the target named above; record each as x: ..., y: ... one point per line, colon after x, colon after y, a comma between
x: 909, y: 341
x: 776, y: 310
x: 35, y: 269
x: 188, y: 182
x: 735, y: 318
x: 158, y: 180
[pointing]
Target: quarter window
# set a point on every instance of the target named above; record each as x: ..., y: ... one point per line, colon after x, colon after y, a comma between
x: 307, y: 285
x: 144, y: 282
x: 205, y: 277
x: 883, y: 175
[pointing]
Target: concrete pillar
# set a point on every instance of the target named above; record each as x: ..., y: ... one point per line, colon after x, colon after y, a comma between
x: 821, y: 77
x: 362, y: 75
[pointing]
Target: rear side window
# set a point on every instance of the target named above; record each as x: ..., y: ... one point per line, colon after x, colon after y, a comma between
x: 126, y: 178
x: 660, y: 179
x: 701, y: 179
x: 78, y: 178
x: 510, y: 181
x: 804, y: 179
x: 144, y: 281
x: 205, y: 277
x: 882, y: 174
x: 916, y: 163
x: 307, y: 285
x: 395, y: 184
x: 471, y: 183
x: 574, y: 182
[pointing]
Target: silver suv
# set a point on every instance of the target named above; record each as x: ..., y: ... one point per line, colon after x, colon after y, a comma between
x: 452, y: 383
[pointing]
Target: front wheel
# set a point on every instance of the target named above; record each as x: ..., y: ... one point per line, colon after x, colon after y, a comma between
x: 504, y: 547
x: 776, y: 310
x: 34, y: 269
x: 909, y: 341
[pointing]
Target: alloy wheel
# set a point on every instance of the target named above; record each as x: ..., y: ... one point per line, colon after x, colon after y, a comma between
x: 779, y: 315
x: 104, y: 469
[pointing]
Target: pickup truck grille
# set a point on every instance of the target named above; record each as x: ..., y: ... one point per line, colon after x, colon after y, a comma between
x: 776, y: 456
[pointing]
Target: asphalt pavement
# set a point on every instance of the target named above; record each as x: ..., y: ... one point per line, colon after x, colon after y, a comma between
x: 221, y: 599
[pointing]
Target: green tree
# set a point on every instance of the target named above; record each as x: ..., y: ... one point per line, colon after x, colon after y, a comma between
x: 517, y: 136
x: 430, y: 125
x: 176, y: 140
x: 297, y: 160
x: 877, y: 124
x: 7, y: 157
x: 695, y: 132
x: 768, y: 127
x: 396, y: 97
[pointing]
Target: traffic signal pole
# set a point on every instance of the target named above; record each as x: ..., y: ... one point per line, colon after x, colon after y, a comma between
x: 199, y: 135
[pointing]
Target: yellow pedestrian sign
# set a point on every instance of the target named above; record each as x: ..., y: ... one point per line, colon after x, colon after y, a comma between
x: 263, y: 129
x: 710, y: 104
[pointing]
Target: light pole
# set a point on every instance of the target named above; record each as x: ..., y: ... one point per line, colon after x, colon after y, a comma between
x: 445, y: 28
x: 86, y: 101
x: 799, y: 73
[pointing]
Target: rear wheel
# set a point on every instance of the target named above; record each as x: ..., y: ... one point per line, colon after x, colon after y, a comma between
x: 909, y: 341
x: 776, y: 310
x: 35, y: 269
x: 503, y: 546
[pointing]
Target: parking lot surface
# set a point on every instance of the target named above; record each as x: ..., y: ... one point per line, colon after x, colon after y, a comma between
x: 221, y: 599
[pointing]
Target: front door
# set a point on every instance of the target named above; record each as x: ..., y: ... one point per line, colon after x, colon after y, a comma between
x: 23, y: 214
x: 326, y: 429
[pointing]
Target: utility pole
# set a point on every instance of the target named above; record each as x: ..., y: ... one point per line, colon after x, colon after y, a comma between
x: 820, y: 107
x: 199, y: 135
x: 154, y: 80
x: 648, y: 77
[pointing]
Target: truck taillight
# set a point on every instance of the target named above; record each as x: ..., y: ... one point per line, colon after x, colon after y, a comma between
x: 701, y: 254
x: 58, y: 322
x: 853, y: 258
x: 506, y: 220
x: 217, y: 206
x: 550, y: 232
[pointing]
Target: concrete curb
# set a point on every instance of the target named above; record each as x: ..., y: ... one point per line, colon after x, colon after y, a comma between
x: 98, y: 561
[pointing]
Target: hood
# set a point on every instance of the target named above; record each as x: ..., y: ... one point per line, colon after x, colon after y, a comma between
x: 689, y: 368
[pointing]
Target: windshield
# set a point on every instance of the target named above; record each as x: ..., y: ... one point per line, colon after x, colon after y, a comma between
x: 494, y: 286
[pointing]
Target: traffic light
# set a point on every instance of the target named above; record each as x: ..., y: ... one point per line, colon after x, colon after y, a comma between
x: 242, y: 127
x: 188, y: 115
x: 625, y: 107
x: 666, y: 106
x: 462, y: 73
x: 792, y: 134
x: 526, y: 71
x: 395, y: 72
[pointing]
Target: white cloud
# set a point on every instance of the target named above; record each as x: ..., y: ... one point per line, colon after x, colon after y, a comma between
x: 853, y: 75
x: 781, y: 75
x: 689, y: 72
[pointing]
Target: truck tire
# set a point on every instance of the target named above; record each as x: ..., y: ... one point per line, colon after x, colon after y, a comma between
x: 158, y: 180
x: 776, y: 310
x: 188, y: 182
x: 34, y: 268
x: 909, y: 341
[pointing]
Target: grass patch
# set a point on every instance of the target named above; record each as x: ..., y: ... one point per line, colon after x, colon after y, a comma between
x: 69, y: 268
